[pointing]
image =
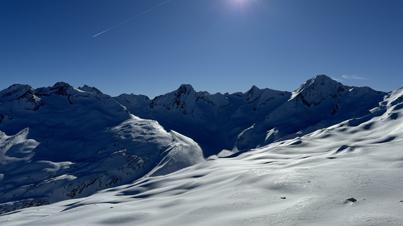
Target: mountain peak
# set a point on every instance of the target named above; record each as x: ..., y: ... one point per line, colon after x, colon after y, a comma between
x: 24, y: 93
x: 321, y: 80
x: 253, y: 89
x: 322, y: 77
x: 253, y: 93
x: 316, y: 89
x: 61, y: 84
x: 61, y: 88
x: 16, y: 91
x: 185, y: 89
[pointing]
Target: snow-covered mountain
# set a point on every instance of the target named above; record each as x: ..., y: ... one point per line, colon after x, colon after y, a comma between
x: 200, y: 115
x: 349, y: 173
x: 318, y: 103
x: 60, y: 142
x: 242, y: 121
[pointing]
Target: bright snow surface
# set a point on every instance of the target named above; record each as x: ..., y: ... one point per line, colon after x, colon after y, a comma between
x: 346, y: 174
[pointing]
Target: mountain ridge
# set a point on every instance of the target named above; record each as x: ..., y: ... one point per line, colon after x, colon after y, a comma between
x: 61, y: 142
x: 350, y: 169
x: 230, y: 116
x: 181, y: 108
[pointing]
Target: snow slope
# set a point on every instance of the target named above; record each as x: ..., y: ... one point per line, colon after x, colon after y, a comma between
x: 60, y: 142
x: 347, y: 174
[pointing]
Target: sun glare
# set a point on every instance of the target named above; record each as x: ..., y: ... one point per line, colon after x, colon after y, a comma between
x: 240, y: 3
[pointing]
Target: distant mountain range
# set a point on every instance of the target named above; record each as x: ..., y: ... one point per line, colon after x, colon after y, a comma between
x: 242, y: 121
x: 61, y: 142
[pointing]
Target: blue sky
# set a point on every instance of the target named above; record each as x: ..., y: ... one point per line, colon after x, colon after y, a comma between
x: 215, y: 45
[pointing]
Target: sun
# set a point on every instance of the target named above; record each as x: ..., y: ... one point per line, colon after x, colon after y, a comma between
x: 239, y: 3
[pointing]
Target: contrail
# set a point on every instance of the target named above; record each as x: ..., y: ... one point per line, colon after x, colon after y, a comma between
x: 96, y: 35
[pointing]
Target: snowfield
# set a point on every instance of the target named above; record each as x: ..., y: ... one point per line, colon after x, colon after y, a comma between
x: 346, y: 173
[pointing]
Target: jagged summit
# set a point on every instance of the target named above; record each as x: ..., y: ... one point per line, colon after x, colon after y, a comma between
x: 319, y: 81
x: 61, y: 88
x: 322, y: 78
x: 22, y: 97
x: 323, y: 88
x: 253, y: 89
x: 255, y: 94
x: 184, y: 90
x: 16, y: 91
x: 65, y: 89
x: 317, y: 89
x: 62, y: 85
x: 21, y: 91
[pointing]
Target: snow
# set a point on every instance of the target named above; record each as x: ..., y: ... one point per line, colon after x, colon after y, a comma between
x: 75, y: 142
x: 16, y: 147
x: 326, y: 154
x: 200, y: 114
x: 318, y: 103
x: 242, y: 121
x: 347, y: 174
